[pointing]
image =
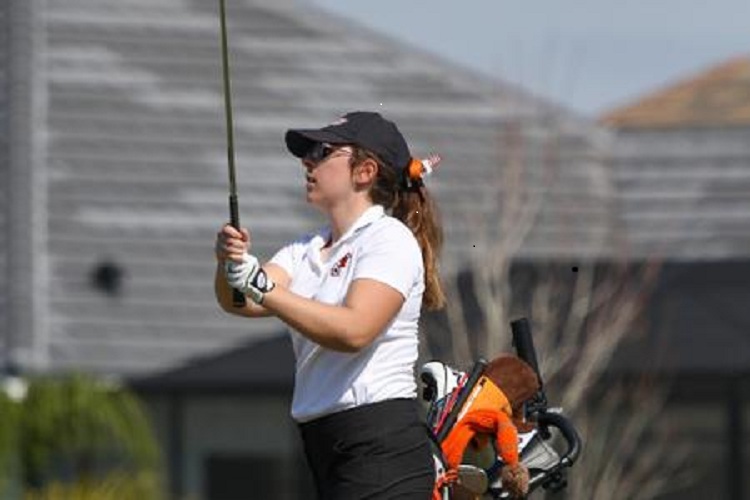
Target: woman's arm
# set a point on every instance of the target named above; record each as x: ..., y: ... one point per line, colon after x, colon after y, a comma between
x: 368, y: 308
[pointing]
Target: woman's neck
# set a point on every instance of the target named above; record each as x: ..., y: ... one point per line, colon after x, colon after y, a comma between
x: 344, y: 215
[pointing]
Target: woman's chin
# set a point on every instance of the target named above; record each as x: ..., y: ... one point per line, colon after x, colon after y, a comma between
x: 312, y: 199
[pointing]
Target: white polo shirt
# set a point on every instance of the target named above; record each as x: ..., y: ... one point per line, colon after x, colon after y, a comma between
x: 377, y: 247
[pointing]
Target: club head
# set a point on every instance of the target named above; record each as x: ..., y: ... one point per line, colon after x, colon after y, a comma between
x: 472, y: 479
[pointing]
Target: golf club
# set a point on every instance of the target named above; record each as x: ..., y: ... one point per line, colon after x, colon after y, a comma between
x: 238, y: 299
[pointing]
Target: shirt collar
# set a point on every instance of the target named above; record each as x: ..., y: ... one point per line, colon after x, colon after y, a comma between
x: 369, y: 216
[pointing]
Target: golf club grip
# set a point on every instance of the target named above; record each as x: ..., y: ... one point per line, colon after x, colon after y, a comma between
x: 524, y: 344
x: 476, y: 372
x: 238, y: 299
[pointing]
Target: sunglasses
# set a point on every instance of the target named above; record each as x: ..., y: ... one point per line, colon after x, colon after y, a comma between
x: 320, y: 151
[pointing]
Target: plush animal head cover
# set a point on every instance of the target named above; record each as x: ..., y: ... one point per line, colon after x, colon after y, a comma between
x: 518, y: 381
x: 495, y: 409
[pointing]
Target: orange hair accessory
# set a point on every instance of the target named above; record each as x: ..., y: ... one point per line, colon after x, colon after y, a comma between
x: 418, y: 169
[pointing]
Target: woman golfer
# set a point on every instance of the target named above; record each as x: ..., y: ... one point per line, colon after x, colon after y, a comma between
x: 351, y: 294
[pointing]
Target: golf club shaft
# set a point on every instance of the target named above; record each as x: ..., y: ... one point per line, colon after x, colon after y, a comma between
x: 238, y: 299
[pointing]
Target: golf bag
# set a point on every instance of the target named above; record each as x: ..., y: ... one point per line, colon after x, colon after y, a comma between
x: 493, y: 424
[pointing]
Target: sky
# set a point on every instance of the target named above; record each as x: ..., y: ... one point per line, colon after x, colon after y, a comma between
x: 590, y: 55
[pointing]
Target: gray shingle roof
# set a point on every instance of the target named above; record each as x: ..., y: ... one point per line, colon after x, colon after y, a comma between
x: 685, y: 193
x: 682, y: 166
x: 136, y: 160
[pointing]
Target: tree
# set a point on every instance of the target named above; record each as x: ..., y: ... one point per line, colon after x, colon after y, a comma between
x: 76, y: 437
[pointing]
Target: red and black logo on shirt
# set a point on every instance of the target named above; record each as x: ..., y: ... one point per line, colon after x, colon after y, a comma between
x: 341, y: 264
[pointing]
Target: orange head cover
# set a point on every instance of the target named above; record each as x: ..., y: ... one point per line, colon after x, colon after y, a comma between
x: 488, y: 413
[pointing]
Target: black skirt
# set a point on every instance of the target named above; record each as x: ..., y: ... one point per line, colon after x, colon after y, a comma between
x: 379, y: 451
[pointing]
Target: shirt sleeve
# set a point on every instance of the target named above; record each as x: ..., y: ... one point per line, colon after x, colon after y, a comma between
x: 392, y: 256
x: 289, y: 256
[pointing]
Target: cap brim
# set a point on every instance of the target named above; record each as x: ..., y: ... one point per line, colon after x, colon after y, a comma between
x: 299, y: 141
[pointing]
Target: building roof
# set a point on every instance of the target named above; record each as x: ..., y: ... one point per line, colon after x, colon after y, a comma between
x: 136, y: 173
x: 717, y: 97
x: 681, y: 166
x: 259, y: 365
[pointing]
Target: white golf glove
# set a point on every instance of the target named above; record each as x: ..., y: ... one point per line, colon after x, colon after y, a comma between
x: 249, y: 278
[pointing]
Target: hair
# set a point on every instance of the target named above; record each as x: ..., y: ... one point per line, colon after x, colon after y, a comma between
x: 414, y: 206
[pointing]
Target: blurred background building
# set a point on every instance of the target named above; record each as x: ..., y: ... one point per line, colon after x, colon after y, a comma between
x: 682, y: 170
x: 114, y: 183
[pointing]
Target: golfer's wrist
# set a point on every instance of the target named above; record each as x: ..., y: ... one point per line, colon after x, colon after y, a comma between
x: 258, y: 286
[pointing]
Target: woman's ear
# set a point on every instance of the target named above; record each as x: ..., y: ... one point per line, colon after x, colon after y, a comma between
x: 365, y: 172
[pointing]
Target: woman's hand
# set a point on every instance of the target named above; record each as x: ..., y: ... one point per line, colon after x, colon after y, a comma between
x: 252, y: 279
x: 231, y: 244
x: 249, y: 278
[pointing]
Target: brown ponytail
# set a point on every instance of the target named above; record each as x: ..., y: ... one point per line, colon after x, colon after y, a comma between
x: 416, y: 209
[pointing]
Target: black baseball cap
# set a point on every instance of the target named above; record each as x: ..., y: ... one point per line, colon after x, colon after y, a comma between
x: 366, y: 129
